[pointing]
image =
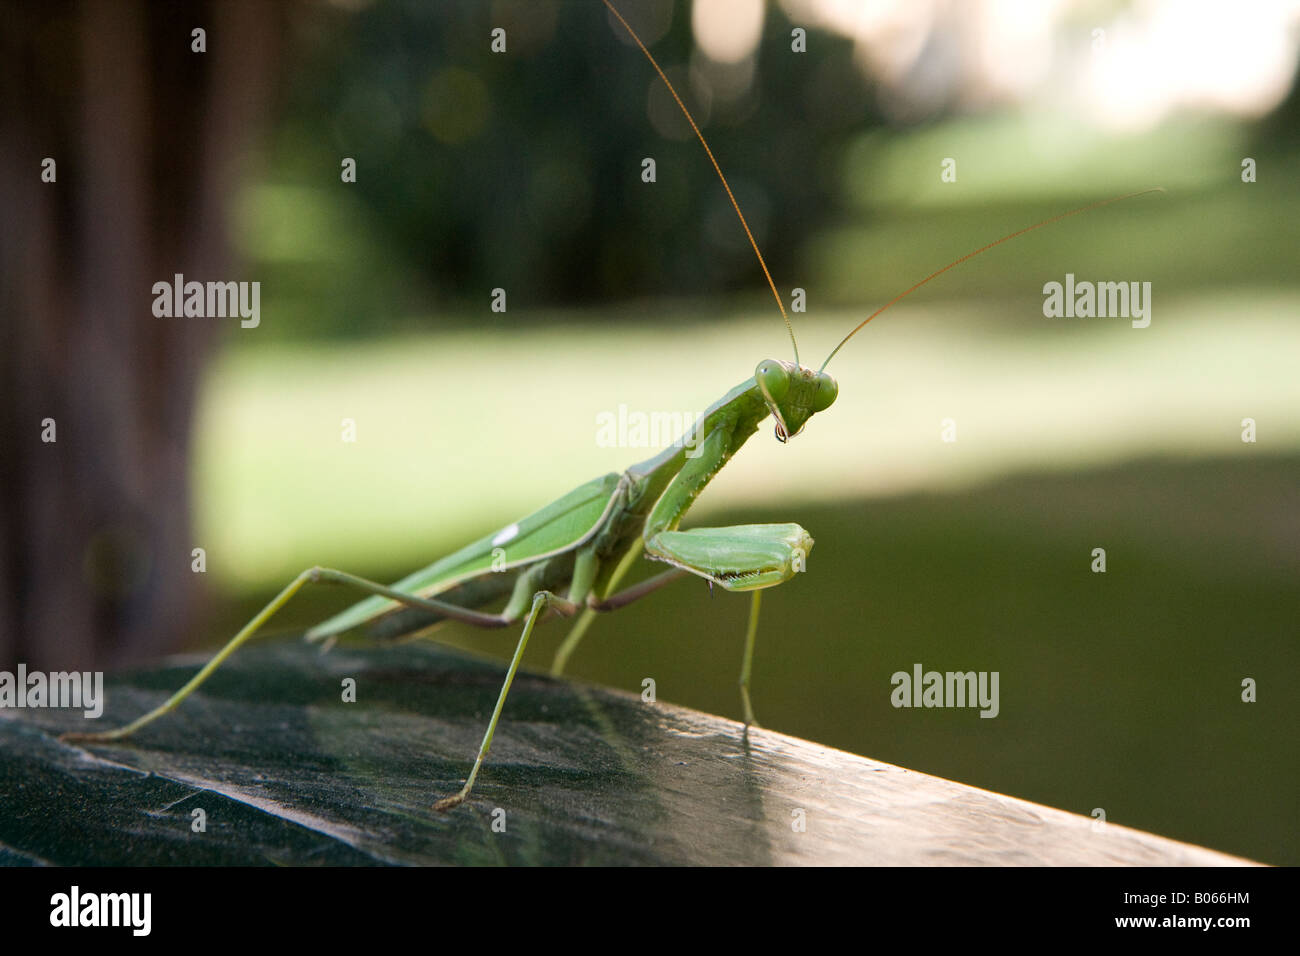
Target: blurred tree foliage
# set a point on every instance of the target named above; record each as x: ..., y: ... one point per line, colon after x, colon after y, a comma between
x: 522, y: 170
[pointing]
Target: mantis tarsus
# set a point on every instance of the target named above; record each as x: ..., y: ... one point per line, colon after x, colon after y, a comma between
x: 587, y: 540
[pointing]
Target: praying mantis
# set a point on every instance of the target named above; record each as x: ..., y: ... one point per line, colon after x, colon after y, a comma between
x: 571, y: 555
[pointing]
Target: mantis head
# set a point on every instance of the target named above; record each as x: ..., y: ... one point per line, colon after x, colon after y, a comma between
x: 794, y: 393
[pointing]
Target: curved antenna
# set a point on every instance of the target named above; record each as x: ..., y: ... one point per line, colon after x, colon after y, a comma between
x: 972, y: 255
x: 735, y: 205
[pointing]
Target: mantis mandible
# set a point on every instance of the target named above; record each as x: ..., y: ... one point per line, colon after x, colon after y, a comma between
x: 571, y: 555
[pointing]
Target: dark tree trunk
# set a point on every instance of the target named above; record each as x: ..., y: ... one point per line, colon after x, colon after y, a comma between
x: 148, y: 138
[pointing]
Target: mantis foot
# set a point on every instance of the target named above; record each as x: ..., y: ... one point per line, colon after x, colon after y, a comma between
x: 450, y: 803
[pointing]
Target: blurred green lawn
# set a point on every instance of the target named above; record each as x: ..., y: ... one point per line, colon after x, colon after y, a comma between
x: 1118, y: 691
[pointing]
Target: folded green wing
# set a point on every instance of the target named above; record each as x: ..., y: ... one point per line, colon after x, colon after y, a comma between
x: 560, y: 526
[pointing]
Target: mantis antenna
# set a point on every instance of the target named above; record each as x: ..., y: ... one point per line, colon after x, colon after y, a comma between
x: 902, y: 295
x: 986, y: 248
x: 735, y: 205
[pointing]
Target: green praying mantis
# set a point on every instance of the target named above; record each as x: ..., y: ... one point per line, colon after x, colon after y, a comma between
x: 572, y: 554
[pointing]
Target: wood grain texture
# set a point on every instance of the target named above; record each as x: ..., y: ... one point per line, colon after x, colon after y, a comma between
x: 287, y: 773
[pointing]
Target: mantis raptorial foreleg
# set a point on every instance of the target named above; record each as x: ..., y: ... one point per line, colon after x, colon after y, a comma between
x: 738, y: 558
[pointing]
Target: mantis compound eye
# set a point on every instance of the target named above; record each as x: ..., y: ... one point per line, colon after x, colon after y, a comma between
x: 827, y: 391
x: 773, y: 379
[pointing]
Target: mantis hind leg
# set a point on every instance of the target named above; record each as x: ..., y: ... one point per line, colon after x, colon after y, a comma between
x: 250, y: 629
x: 542, y: 600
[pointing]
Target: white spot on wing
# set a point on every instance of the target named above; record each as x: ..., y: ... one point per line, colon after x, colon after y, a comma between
x: 506, y: 534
